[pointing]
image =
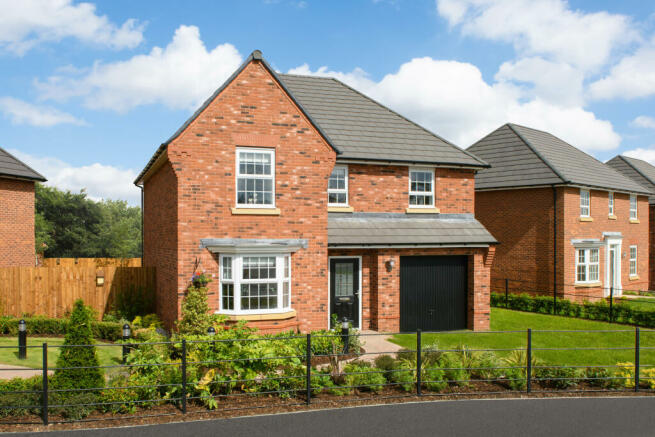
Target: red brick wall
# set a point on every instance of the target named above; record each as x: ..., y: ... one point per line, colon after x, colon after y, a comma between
x: 382, y: 188
x: 651, y: 243
x: 16, y: 223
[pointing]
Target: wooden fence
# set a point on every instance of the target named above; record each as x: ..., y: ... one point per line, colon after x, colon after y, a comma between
x: 51, y: 291
x: 90, y: 262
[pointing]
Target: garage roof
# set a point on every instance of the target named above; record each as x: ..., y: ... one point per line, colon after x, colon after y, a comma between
x: 397, y: 229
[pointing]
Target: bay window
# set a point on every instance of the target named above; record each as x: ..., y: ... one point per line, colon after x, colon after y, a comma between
x: 421, y: 188
x: 255, y: 178
x: 255, y: 283
x: 586, y: 265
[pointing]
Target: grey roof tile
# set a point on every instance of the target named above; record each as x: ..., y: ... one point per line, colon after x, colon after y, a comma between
x: 521, y: 156
x: 15, y: 168
x: 636, y: 169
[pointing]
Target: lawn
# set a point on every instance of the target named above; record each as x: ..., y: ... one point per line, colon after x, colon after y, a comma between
x: 107, y: 355
x: 640, y: 303
x: 508, y: 320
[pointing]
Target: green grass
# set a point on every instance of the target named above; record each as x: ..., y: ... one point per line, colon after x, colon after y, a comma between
x: 107, y: 355
x: 508, y: 320
x: 641, y: 304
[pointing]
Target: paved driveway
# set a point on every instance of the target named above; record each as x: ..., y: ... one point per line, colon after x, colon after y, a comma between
x: 521, y: 417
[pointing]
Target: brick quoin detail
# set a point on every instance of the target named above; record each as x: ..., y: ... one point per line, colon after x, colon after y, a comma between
x: 16, y: 223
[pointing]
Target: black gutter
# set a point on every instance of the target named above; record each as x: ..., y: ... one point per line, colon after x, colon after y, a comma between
x: 554, y: 249
x: 142, y: 222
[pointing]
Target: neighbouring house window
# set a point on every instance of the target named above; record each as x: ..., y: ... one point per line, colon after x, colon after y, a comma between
x: 338, y: 186
x: 633, y: 206
x: 255, y: 283
x: 585, y: 203
x: 633, y: 260
x: 611, y: 203
x: 421, y: 188
x: 255, y: 178
x: 586, y: 265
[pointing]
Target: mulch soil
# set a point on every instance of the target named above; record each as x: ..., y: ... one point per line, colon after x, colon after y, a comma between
x: 249, y: 405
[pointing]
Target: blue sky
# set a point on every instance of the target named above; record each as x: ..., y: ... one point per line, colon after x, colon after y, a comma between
x: 89, y: 90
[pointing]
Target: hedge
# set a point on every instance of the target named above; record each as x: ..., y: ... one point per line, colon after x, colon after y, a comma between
x: 621, y: 312
x: 111, y: 331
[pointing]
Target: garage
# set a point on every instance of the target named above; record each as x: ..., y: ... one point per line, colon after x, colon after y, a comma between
x: 433, y: 293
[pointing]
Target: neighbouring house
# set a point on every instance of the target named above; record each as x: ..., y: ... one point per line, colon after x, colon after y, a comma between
x: 303, y: 198
x: 644, y: 174
x: 17, y: 211
x: 564, y: 220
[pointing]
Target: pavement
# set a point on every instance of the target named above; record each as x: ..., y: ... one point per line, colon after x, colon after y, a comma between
x: 8, y: 371
x: 376, y: 344
x: 580, y: 417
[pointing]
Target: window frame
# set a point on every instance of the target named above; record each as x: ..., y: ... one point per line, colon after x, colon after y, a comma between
x: 338, y: 190
x: 237, y: 280
x: 587, y: 263
x: 588, y: 206
x: 237, y: 175
x: 633, y: 260
x: 633, y: 197
x: 610, y: 204
x: 421, y: 193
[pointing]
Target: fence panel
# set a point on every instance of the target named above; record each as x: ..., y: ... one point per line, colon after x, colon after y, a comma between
x: 90, y: 262
x: 51, y: 291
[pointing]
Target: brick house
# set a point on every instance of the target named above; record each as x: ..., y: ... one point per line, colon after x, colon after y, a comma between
x: 564, y: 220
x: 16, y: 211
x: 644, y: 174
x: 303, y: 198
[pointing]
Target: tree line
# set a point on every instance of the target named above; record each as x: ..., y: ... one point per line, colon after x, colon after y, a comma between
x: 70, y: 225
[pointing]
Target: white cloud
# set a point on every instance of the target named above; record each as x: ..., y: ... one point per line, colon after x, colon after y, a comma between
x: 452, y: 99
x: 100, y: 181
x: 542, y: 27
x: 21, y: 112
x: 181, y: 75
x: 644, y: 121
x: 26, y: 23
x: 647, y: 155
x: 632, y: 77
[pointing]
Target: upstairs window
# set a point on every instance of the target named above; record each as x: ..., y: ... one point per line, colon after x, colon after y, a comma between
x: 255, y: 178
x: 611, y: 203
x: 338, y: 186
x: 421, y: 188
x: 585, y: 203
x: 586, y: 265
x: 633, y: 260
x: 633, y: 207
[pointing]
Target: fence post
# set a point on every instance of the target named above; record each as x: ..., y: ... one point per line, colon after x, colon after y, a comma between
x: 418, y: 362
x: 637, y: 358
x: 45, y: 384
x: 183, y: 376
x: 529, y: 362
x: 611, y: 303
x: 506, y: 293
x: 308, y: 358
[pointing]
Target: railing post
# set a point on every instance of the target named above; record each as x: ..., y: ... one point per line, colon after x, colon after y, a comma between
x: 44, y: 402
x: 611, y: 303
x: 637, y: 358
x: 183, y: 376
x: 506, y: 293
x: 418, y: 363
x: 308, y: 358
x: 529, y: 362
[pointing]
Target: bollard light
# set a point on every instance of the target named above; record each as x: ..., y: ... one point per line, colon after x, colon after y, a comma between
x: 211, y: 331
x: 22, y: 340
x: 126, y: 336
x: 345, y: 325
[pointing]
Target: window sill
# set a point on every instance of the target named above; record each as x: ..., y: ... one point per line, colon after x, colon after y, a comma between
x: 633, y: 278
x: 611, y: 217
x: 634, y: 221
x: 266, y: 316
x: 255, y: 211
x: 340, y: 209
x: 588, y: 285
x: 422, y: 211
x: 586, y: 219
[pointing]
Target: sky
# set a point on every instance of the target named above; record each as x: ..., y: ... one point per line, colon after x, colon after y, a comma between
x: 89, y: 90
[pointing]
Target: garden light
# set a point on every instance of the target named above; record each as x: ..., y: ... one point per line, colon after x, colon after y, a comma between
x: 126, y: 336
x: 211, y: 331
x: 345, y: 325
x: 22, y: 340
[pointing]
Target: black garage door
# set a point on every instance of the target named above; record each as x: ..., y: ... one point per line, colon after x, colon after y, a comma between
x: 433, y: 293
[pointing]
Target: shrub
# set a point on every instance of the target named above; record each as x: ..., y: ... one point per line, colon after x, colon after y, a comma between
x: 22, y: 403
x: 557, y: 377
x: 118, y: 400
x: 404, y: 374
x: 386, y: 363
x: 40, y: 325
x: 625, y: 373
x: 365, y: 377
x: 72, y: 405
x: 455, y: 371
x: 132, y: 301
x: 601, y: 377
x: 196, y: 318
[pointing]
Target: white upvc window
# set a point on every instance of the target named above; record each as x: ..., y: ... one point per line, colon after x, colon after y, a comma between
x: 253, y: 284
x: 255, y: 178
x: 633, y: 206
x: 586, y: 265
x: 585, y: 203
x: 338, y: 186
x: 611, y: 203
x: 421, y: 188
x: 633, y: 260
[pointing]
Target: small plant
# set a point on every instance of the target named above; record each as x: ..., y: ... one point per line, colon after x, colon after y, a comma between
x: 362, y: 375
x: 557, y: 377
x: 196, y: 318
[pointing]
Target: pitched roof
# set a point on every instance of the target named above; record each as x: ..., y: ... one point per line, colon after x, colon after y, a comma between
x: 354, y: 125
x: 13, y: 167
x: 521, y: 157
x: 636, y: 169
x: 397, y: 229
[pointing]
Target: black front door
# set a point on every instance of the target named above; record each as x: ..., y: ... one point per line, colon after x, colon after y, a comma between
x: 344, y: 289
